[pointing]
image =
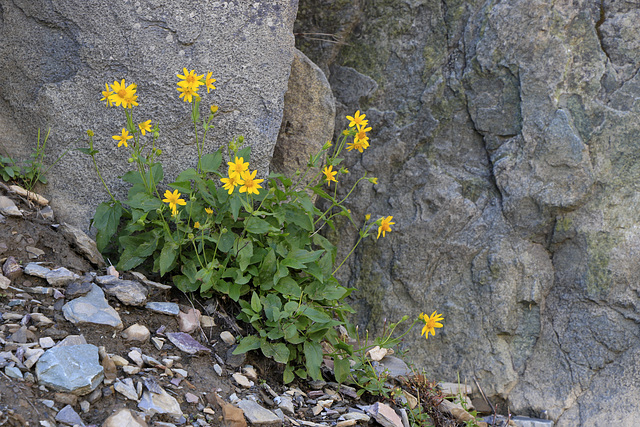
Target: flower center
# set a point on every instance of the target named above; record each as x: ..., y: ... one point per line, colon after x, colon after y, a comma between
x: 122, y: 93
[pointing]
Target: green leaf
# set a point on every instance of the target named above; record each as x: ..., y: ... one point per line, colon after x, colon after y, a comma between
x: 186, y: 176
x: 281, y: 271
x: 248, y: 343
x: 278, y: 352
x: 236, y: 204
x: 288, y: 376
x: 245, y: 153
x: 256, y: 305
x: 106, y: 220
x: 298, y: 217
x: 226, y: 241
x: 184, y: 284
x: 133, y: 177
x: 288, y: 286
x: 245, y: 253
x: 313, y: 359
x: 211, y: 162
x: 144, y: 202
x: 316, y: 315
x: 155, y: 174
x: 167, y: 257
x: 257, y: 225
x: 341, y: 368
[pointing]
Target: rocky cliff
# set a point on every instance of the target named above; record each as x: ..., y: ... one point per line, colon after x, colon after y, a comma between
x: 504, y: 138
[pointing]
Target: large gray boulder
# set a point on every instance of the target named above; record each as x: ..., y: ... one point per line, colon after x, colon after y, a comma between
x: 505, y: 142
x: 57, y: 57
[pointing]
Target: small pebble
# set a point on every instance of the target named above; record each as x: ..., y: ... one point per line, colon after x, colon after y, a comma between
x: 227, y: 337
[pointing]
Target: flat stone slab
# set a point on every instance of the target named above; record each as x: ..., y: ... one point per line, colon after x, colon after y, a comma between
x: 71, y: 369
x: 128, y: 292
x: 257, y: 415
x: 92, y: 308
x: 186, y: 343
x: 159, y: 403
x: 163, y: 307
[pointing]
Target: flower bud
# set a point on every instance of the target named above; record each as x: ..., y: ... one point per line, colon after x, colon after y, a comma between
x: 158, y: 151
x: 190, y: 236
x: 373, y: 180
x: 223, y: 231
x: 130, y: 160
x: 89, y: 132
x: 327, y: 145
x: 214, y: 109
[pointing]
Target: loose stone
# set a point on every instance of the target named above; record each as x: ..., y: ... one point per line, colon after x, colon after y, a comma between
x: 242, y: 380
x: 189, y: 321
x: 69, y: 417
x: 227, y: 337
x: 163, y: 403
x: 257, y: 415
x: 124, y: 417
x: 163, y: 307
x: 11, y: 268
x: 72, y: 369
x: 127, y: 389
x: 92, y: 308
x: 186, y: 343
x: 127, y: 291
x: 60, y: 277
x: 136, y: 332
x: 37, y: 270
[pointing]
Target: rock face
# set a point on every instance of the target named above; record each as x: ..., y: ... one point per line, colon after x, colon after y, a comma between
x: 59, y: 55
x: 308, y: 118
x: 504, y: 139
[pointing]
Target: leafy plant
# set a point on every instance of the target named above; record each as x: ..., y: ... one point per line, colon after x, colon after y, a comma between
x: 31, y: 171
x: 229, y: 235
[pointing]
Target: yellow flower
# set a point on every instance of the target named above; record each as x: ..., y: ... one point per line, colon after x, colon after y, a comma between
x: 238, y: 166
x: 430, y: 323
x: 367, y: 217
x: 89, y: 132
x: 230, y: 183
x: 327, y: 145
x: 209, y: 82
x: 214, y: 109
x: 124, y: 95
x: 385, y: 226
x: 209, y: 211
x: 373, y: 180
x: 190, y: 79
x: 122, y: 139
x: 188, y: 92
x: 357, y: 119
x: 106, y: 94
x: 145, y: 127
x: 174, y: 200
x: 330, y: 174
x: 196, y: 225
x: 249, y: 183
x: 358, y: 145
x: 361, y: 134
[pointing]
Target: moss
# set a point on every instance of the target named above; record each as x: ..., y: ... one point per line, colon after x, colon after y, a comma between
x: 563, y: 224
x: 598, y: 278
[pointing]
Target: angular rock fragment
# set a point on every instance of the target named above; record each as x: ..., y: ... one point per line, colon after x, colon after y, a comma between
x: 92, y: 308
x: 85, y: 244
x: 74, y: 369
x: 163, y: 307
x: 128, y: 292
x: 11, y: 268
x: 162, y: 403
x: 60, y: 277
x: 186, y: 343
x: 257, y: 415
x: 124, y: 417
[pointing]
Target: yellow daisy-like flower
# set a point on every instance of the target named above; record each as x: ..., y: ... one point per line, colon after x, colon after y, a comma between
x: 106, y: 94
x: 238, y: 166
x: 213, y: 109
x: 373, y: 180
x: 330, y: 174
x: 209, y: 211
x: 357, y: 145
x: 357, y: 119
x: 208, y: 82
x: 367, y: 217
x: 230, y: 183
x: 190, y: 79
x: 361, y: 134
x: 174, y: 200
x: 145, y: 127
x: 196, y: 225
x: 430, y: 323
x: 188, y: 92
x: 122, y: 139
x: 123, y: 95
x: 249, y: 183
x: 385, y: 226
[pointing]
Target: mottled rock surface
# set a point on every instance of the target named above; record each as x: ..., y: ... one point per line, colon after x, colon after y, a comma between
x: 58, y: 57
x: 505, y: 142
